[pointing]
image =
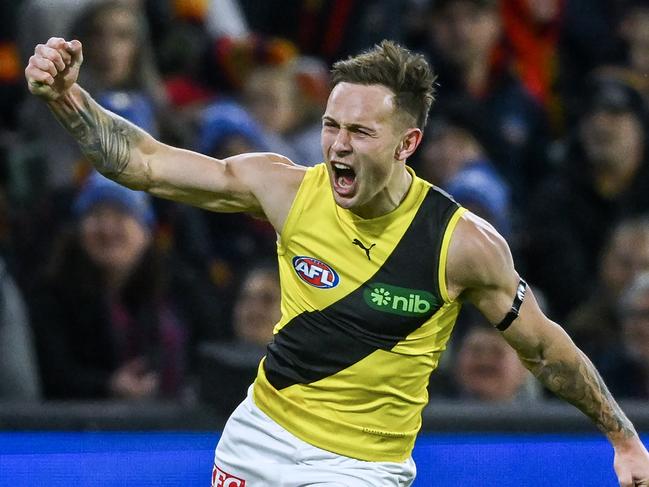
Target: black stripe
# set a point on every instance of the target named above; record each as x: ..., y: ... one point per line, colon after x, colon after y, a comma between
x: 318, y: 344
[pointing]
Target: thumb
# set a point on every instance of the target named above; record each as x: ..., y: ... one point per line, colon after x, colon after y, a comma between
x: 74, y: 47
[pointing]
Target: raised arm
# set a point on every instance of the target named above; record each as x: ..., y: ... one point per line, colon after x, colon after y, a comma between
x: 481, y: 271
x: 256, y: 183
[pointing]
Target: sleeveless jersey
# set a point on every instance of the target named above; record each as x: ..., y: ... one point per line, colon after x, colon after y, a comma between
x: 365, y: 317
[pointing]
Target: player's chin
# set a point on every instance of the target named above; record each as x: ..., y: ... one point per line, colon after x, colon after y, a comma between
x: 344, y: 203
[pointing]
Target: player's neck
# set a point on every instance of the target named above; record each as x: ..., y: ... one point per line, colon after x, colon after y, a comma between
x: 389, y: 198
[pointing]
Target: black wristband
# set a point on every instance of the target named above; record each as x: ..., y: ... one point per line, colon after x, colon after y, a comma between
x: 516, y: 307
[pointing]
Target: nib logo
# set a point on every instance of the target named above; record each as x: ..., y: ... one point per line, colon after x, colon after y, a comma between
x: 381, y: 297
x: 398, y: 300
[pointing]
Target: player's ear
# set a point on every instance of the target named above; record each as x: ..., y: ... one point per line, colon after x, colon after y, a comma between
x: 408, y: 144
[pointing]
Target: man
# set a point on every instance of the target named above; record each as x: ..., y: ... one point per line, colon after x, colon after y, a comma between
x: 465, y: 44
x: 374, y: 263
x: 602, y: 177
x: 596, y: 324
x: 628, y: 368
x: 487, y: 369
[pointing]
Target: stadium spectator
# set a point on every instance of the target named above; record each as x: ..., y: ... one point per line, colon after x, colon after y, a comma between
x: 229, y: 367
x: 487, y: 369
x: 595, y: 324
x: 232, y: 241
x: 633, y: 31
x: 533, y: 31
x: 41, y: 19
x: 287, y: 101
x: 328, y: 30
x: 118, y: 58
x: 225, y: 127
x: 10, y: 83
x: 466, y: 49
x: 627, y: 369
x: 19, y: 376
x: 105, y: 322
x: 632, y: 61
x: 603, y: 177
x: 457, y: 156
x: 587, y: 41
x: 554, y: 44
x: 120, y: 66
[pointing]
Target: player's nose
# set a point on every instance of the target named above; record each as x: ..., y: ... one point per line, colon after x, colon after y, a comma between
x: 342, y: 144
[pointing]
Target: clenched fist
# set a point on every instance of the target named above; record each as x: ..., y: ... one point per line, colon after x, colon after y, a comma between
x: 53, y: 68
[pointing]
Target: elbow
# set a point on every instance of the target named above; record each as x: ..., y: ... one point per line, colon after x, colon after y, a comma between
x: 138, y: 174
x: 534, y: 364
x: 534, y: 358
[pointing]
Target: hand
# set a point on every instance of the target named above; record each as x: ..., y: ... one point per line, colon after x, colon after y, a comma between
x: 632, y: 464
x: 133, y: 380
x: 53, y: 68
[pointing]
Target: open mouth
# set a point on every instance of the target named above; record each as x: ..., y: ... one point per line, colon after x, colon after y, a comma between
x: 344, y: 178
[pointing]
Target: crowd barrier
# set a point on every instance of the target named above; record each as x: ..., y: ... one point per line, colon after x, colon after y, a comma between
x: 549, y: 416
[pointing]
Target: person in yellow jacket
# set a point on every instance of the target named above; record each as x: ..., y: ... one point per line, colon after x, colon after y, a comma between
x: 374, y: 265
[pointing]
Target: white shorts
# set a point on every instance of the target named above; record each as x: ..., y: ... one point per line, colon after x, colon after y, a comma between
x: 255, y: 451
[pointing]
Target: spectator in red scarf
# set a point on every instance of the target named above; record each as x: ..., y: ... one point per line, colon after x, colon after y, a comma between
x: 466, y: 48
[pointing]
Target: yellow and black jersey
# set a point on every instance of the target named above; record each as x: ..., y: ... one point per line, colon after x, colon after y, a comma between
x: 365, y: 317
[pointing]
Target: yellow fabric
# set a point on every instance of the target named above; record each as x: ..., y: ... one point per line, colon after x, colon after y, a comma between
x: 370, y: 410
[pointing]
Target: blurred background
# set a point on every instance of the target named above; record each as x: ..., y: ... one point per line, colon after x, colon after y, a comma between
x: 118, y: 311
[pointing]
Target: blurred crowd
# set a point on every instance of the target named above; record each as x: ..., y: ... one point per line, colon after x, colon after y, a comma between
x: 540, y: 126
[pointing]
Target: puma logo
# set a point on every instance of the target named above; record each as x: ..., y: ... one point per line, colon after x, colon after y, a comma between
x: 366, y: 249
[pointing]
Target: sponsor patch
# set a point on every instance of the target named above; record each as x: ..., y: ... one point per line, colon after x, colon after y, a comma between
x: 224, y: 479
x: 398, y: 300
x: 315, y: 272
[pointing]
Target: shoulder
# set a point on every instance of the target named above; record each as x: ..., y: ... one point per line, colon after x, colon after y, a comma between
x: 480, y: 268
x: 478, y: 257
x: 265, y: 172
x: 273, y: 179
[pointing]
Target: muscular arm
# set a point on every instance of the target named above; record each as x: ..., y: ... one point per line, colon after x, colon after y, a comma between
x: 114, y: 146
x: 256, y: 183
x: 481, y: 271
x: 564, y: 369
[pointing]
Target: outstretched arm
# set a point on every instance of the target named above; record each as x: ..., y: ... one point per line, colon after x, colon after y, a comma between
x: 257, y: 183
x: 481, y: 271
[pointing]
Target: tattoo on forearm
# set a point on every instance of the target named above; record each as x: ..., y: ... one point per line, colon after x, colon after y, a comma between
x: 106, y: 141
x: 581, y: 385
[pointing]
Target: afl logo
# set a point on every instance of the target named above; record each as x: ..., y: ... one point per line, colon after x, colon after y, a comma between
x: 315, y: 272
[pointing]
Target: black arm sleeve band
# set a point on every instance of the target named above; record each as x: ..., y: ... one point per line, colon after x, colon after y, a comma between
x: 516, y: 306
